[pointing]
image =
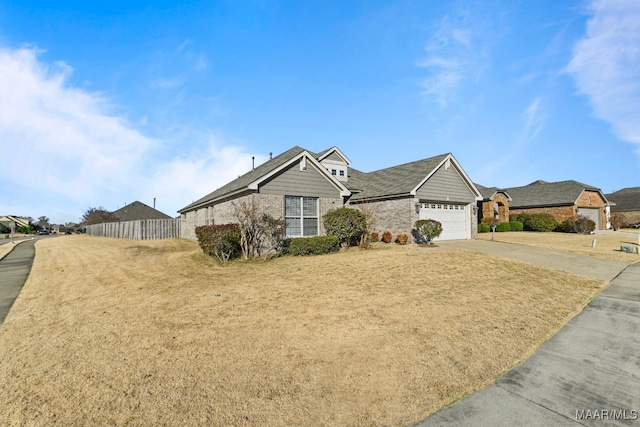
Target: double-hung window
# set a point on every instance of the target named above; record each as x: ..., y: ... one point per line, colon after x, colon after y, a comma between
x: 301, y: 216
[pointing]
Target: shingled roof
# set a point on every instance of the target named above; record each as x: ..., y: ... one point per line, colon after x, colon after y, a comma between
x: 487, y: 193
x: 542, y: 193
x: 242, y: 182
x: 138, y: 210
x: 626, y: 200
x: 394, y: 181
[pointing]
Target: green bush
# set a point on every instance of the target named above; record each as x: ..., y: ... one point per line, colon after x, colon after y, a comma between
x: 221, y: 241
x: 317, y: 245
x: 516, y: 226
x: 540, y: 222
x: 521, y: 217
x: 483, y: 228
x: 565, y: 226
x: 346, y: 223
x: 427, y: 230
x: 503, y: 226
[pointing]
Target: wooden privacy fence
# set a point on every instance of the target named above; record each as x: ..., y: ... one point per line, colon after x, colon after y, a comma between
x: 142, y: 229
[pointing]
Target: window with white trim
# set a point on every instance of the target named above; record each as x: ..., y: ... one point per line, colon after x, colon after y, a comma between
x: 301, y: 216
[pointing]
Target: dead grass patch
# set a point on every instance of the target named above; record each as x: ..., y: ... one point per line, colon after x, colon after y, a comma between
x: 115, y: 332
x: 607, y: 245
x: 5, y: 249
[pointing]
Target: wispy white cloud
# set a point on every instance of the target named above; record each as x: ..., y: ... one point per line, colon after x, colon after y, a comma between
x: 534, y: 119
x: 452, y: 57
x: 67, y: 149
x: 165, y: 83
x: 606, y: 65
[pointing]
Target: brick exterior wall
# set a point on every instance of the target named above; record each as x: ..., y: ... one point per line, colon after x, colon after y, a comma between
x: 503, y: 208
x: 592, y: 199
x: 223, y: 213
x: 396, y: 216
x: 399, y: 216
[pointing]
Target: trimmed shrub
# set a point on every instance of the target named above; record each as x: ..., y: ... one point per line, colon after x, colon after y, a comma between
x: 516, y: 226
x: 565, y: 226
x: 483, y: 227
x: 576, y: 224
x: 387, y: 236
x: 540, y: 222
x: 521, y: 217
x: 402, y: 239
x: 346, y: 223
x: 427, y: 230
x: 221, y: 241
x: 584, y: 225
x: 375, y: 237
x: 317, y: 245
x: 503, y: 226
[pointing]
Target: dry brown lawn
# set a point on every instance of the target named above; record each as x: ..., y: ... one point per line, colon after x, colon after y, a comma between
x: 607, y: 245
x: 5, y: 249
x: 117, y: 332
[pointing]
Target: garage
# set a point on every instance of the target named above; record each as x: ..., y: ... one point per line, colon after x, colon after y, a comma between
x: 453, y: 217
x: 593, y: 214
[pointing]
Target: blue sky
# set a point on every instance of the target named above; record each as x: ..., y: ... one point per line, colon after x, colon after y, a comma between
x: 105, y: 103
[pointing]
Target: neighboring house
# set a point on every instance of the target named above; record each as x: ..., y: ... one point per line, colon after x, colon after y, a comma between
x: 16, y: 221
x: 301, y: 186
x: 494, y: 204
x: 562, y: 200
x: 627, y: 203
x: 138, y: 210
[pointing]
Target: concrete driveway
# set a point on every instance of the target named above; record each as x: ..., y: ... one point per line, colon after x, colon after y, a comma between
x: 587, y: 374
x: 557, y: 260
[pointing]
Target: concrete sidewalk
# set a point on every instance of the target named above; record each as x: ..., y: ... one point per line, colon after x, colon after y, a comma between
x: 587, y: 374
x: 14, y: 270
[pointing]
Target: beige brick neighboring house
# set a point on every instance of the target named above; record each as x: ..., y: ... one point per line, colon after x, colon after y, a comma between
x: 626, y: 202
x: 562, y: 200
x: 301, y: 186
x: 494, y: 204
x: 10, y: 221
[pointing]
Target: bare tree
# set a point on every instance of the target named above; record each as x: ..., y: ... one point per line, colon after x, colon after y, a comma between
x: 260, y: 233
x: 371, y: 220
x: 98, y: 216
x: 247, y: 214
x: 43, y: 222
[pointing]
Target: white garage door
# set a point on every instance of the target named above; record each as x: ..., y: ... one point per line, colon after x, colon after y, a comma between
x: 454, y: 219
x: 592, y: 214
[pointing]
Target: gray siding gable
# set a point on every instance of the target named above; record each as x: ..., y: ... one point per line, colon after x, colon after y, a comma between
x: 295, y: 182
x: 334, y: 157
x: 446, y: 184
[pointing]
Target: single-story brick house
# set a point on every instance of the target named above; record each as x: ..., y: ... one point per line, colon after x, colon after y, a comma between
x: 562, y: 200
x: 627, y: 203
x: 301, y: 186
